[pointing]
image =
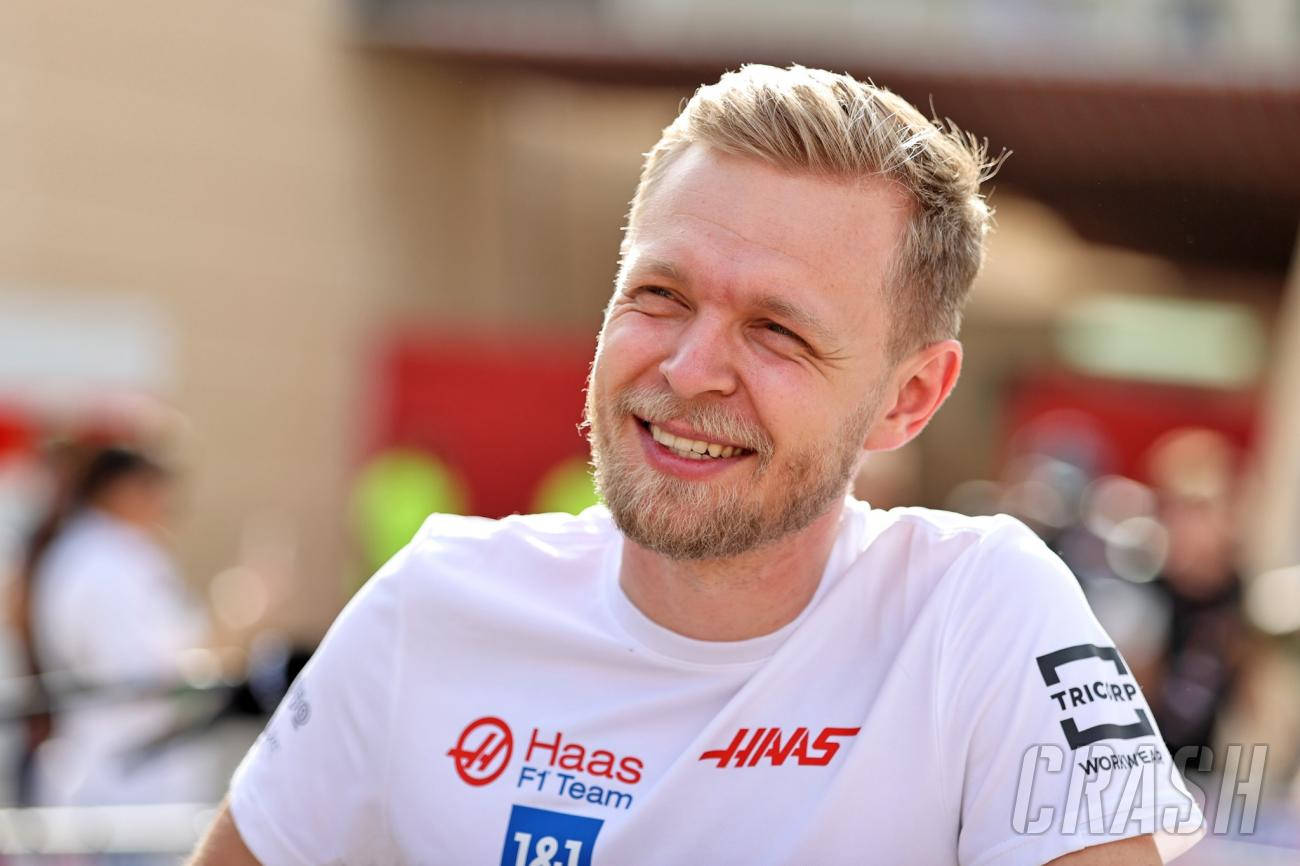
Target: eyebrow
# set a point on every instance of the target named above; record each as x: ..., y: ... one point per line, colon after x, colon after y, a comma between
x: 801, y: 319
x: 659, y: 268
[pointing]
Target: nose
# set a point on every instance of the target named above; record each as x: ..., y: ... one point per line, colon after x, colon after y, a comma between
x: 701, y: 362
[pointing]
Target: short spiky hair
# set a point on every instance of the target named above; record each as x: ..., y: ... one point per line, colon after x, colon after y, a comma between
x: 836, y: 126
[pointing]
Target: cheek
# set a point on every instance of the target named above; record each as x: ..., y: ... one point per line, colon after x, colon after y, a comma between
x: 788, y: 404
x: 629, y: 345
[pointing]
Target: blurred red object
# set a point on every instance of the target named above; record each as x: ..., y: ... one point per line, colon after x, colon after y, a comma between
x: 17, y: 432
x: 499, y: 409
x: 1126, y: 417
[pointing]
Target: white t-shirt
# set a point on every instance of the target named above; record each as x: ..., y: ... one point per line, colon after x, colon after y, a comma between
x: 492, y: 696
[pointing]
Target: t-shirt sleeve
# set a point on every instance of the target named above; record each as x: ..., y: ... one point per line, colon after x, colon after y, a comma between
x: 1048, y: 736
x: 312, y: 787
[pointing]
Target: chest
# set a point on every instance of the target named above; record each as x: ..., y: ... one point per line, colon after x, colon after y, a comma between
x: 606, y: 763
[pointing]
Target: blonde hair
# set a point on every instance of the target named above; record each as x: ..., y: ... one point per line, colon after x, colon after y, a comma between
x: 833, y: 125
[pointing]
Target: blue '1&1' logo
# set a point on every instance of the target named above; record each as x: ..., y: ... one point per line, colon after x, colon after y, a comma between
x: 540, y: 837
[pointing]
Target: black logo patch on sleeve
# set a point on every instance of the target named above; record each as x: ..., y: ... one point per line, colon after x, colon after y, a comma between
x: 1076, y: 689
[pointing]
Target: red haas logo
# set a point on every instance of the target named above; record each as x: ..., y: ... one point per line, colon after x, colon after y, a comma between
x: 769, y: 744
x: 483, y: 750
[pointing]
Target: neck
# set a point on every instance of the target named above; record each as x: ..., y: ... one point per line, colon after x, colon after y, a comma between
x: 739, y: 598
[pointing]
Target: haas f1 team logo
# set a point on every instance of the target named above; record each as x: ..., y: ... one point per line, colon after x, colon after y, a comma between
x: 483, y: 750
x: 770, y: 745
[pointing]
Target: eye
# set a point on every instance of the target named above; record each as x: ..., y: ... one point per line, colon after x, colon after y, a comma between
x: 783, y: 331
x: 657, y: 298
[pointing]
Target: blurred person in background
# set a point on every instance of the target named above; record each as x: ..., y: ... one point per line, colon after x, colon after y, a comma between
x: 109, y: 617
x: 1194, y: 474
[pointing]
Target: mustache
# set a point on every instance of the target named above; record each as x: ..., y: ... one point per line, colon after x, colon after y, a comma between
x: 710, y: 419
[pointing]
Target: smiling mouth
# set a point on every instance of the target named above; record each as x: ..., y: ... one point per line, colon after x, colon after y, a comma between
x: 692, y: 449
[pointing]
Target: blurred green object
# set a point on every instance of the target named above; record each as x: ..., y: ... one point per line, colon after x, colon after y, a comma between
x: 568, y: 487
x: 394, y: 492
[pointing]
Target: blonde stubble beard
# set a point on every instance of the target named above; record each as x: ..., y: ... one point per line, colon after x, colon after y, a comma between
x: 701, y: 520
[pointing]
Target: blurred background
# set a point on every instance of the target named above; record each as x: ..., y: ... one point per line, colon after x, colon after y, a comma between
x: 284, y: 278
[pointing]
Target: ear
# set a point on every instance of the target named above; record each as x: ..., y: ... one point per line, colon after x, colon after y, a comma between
x: 919, y: 386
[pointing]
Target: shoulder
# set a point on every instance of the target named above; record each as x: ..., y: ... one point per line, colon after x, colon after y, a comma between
x: 543, y: 535
x: 935, y: 527
x: 974, y: 561
x: 993, y: 537
x: 944, y: 540
x: 479, y: 552
x: 994, y: 579
x: 1009, y: 566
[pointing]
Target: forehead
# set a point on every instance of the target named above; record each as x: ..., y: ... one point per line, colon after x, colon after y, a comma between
x: 741, y: 222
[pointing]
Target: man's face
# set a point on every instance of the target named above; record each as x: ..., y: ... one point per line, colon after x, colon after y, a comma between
x: 748, y: 323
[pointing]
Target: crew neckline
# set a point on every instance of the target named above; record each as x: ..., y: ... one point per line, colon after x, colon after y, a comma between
x: 665, y: 642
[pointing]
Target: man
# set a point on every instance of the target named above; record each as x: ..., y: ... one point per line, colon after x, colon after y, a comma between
x: 734, y: 663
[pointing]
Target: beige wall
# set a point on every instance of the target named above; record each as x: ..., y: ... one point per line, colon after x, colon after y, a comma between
x: 500, y: 195
x: 202, y: 156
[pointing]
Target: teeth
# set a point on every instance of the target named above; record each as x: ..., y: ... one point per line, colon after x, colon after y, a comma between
x: 692, y: 448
